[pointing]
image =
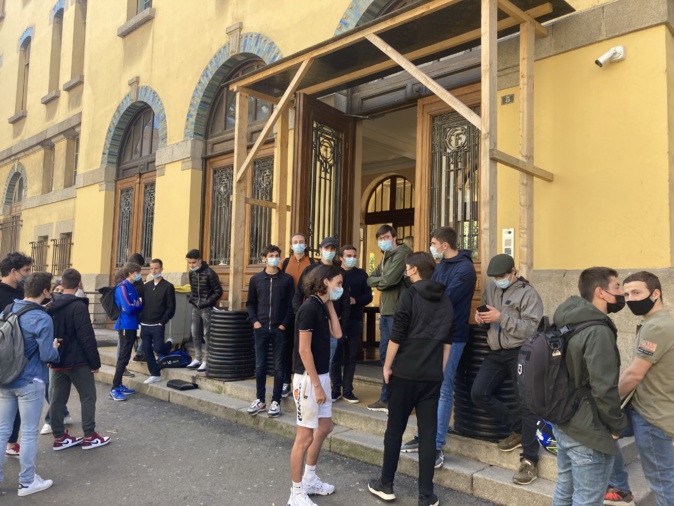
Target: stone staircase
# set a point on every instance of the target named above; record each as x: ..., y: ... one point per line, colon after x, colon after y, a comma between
x: 471, y: 466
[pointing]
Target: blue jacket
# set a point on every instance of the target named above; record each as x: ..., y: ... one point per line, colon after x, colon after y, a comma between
x: 129, y: 304
x: 459, y: 277
x: 38, y: 345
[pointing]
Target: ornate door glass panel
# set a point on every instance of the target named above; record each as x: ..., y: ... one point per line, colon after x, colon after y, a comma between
x: 148, y: 222
x: 260, y: 219
x: 124, y: 228
x: 221, y: 216
x: 455, y: 162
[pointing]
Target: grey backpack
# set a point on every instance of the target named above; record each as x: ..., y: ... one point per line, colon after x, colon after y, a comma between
x: 12, y: 358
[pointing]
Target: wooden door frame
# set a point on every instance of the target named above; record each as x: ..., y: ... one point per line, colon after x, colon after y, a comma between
x: 308, y: 110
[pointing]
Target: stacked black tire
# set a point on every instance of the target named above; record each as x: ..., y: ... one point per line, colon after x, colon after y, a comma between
x: 469, y: 420
x: 230, y: 348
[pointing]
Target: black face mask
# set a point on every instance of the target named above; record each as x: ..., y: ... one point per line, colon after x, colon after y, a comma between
x: 641, y: 307
x: 618, y: 305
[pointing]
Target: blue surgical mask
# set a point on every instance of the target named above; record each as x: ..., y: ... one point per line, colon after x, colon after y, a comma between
x: 436, y: 254
x: 503, y: 283
x: 350, y: 263
x: 328, y: 256
x: 298, y: 249
x: 155, y: 276
x: 385, y: 245
x: 273, y: 262
x: 137, y: 277
x: 336, y: 293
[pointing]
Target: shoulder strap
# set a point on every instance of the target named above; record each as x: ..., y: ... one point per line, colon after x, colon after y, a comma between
x: 311, y: 260
x: 284, y: 266
x: 569, y: 331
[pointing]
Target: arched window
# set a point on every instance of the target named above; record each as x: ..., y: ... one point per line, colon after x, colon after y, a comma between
x: 392, y: 201
x: 79, y: 30
x: 22, y: 82
x: 55, y: 61
x: 220, y: 141
x: 379, y: 8
x: 134, y: 220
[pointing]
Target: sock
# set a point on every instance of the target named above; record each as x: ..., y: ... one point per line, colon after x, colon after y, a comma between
x: 309, y: 474
x: 297, y: 488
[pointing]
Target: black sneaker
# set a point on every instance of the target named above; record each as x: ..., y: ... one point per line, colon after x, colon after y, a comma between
x: 139, y: 358
x: 128, y: 374
x: 431, y: 500
x: 336, y: 395
x: 412, y: 446
x: 439, y: 458
x: 285, y: 392
x: 379, y: 405
x: 349, y: 397
x: 382, y: 491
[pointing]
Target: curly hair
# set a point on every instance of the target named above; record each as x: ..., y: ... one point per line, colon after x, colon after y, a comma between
x: 314, y: 284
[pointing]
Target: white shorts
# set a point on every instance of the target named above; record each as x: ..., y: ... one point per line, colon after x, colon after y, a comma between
x: 308, y: 410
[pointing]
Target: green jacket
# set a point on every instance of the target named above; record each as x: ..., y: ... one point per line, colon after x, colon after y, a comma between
x: 387, y: 278
x: 593, y: 361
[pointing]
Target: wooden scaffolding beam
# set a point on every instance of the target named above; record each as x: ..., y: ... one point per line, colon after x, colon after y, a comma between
x: 524, y: 18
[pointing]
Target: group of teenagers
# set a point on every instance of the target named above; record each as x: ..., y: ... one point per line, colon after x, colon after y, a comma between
x: 426, y: 306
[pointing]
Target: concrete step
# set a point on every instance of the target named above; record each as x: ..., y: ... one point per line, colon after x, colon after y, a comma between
x: 463, y: 471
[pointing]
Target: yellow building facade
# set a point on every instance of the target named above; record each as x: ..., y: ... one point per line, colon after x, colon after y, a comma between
x: 116, y: 136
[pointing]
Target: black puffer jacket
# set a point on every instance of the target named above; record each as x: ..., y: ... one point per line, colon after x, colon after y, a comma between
x: 422, y: 325
x: 72, y: 323
x: 205, y: 285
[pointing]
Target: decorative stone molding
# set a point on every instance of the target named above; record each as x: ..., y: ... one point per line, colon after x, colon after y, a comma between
x: 21, y: 148
x: 73, y: 83
x: 49, y: 198
x: 44, y: 229
x: 60, y: 5
x: 221, y: 64
x: 52, y: 95
x: 134, y: 83
x: 190, y: 152
x: 27, y: 33
x: 18, y: 116
x: 135, y: 22
x: 234, y: 34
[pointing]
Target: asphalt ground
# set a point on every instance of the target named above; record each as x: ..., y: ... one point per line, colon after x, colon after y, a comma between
x: 163, y: 454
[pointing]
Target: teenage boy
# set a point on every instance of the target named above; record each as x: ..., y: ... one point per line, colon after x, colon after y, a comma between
x: 388, y: 279
x: 294, y: 265
x: 270, y: 309
x: 205, y: 293
x: 27, y: 392
x: 513, y: 311
x: 650, y: 413
x: 159, y: 306
x: 139, y: 259
x: 130, y: 306
x: 420, y: 343
x: 586, y: 443
x: 360, y: 295
x: 14, y: 269
x: 79, y: 361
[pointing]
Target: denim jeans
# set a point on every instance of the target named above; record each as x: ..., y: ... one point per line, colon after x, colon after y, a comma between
x: 582, y: 473
x: 385, y: 328
x: 447, y: 394
x: 277, y: 338
x: 152, y: 339
x: 199, y: 317
x: 334, y: 343
x: 28, y: 400
x: 657, y: 459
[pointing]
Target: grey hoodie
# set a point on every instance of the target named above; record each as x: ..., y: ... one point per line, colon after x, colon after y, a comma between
x: 521, y: 310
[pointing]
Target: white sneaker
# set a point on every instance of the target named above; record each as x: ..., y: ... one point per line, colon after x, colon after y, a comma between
x: 317, y: 487
x: 274, y: 410
x: 38, y: 485
x: 202, y: 367
x: 301, y: 499
x: 152, y: 379
x: 256, y: 406
x: 67, y: 420
x: 46, y: 429
x: 194, y: 364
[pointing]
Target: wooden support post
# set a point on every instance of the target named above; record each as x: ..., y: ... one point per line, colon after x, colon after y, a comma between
x: 236, y: 257
x: 281, y: 185
x: 427, y: 81
x: 524, y: 18
x: 280, y: 107
x: 488, y: 183
x: 526, y: 231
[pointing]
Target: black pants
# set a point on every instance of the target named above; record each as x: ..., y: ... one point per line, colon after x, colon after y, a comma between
x: 404, y: 396
x: 152, y: 337
x: 346, y: 354
x: 126, y: 340
x: 496, y: 368
x: 83, y: 380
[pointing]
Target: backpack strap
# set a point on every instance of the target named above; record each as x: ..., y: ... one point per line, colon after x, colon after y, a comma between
x: 284, y: 266
x: 569, y: 331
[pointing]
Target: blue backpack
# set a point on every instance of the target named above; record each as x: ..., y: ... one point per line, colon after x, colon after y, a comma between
x: 175, y: 359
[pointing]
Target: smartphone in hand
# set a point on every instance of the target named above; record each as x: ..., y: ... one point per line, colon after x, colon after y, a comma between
x: 483, y: 309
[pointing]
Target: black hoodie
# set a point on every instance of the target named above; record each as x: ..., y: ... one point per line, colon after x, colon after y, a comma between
x: 72, y: 323
x: 422, y: 325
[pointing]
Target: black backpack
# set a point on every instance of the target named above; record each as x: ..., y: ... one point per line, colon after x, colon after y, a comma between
x: 108, y: 301
x: 543, y: 379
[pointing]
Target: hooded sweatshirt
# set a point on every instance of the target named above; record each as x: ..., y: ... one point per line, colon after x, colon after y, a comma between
x: 387, y: 278
x: 521, y: 311
x: 459, y: 277
x: 72, y: 323
x: 593, y: 361
x: 422, y: 325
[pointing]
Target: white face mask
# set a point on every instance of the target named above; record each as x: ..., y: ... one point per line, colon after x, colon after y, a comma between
x: 385, y: 246
x: 350, y: 263
x: 273, y: 262
x: 328, y: 256
x: 336, y: 293
x: 503, y: 283
x: 436, y: 254
x: 298, y: 249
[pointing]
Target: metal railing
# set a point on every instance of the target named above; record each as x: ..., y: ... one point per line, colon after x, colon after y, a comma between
x: 60, y: 258
x: 10, y: 228
x: 38, y: 252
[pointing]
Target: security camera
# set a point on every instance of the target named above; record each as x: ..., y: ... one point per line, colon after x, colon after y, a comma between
x: 611, y: 56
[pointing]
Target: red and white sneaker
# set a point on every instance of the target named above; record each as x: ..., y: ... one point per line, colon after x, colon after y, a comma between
x: 12, y: 450
x: 95, y: 441
x: 66, y: 441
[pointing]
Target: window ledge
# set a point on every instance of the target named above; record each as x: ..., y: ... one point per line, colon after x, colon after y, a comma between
x: 52, y: 95
x: 135, y: 22
x: 18, y: 116
x: 73, y: 83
